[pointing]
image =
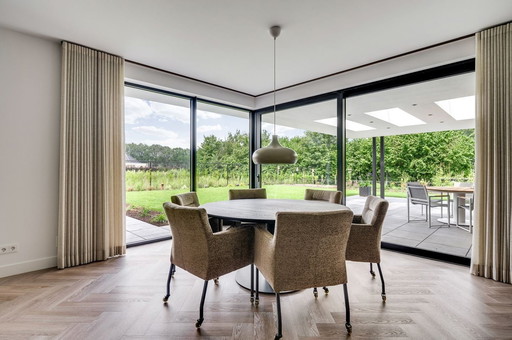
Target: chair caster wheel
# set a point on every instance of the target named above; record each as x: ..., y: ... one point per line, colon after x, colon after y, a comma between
x: 326, y: 290
x: 373, y: 273
x: 199, y: 323
x: 383, y: 297
x: 348, y: 326
x: 166, y: 298
x: 315, y: 292
x: 252, y: 299
x: 277, y: 337
x: 256, y: 301
x: 216, y: 281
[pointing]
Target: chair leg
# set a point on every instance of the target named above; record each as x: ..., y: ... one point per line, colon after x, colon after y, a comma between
x: 383, y: 285
x: 279, y: 334
x: 408, y: 210
x: 201, y: 306
x: 315, y: 292
x: 172, y: 269
x: 348, y: 326
x: 371, y: 270
x: 252, y: 283
x: 257, y: 284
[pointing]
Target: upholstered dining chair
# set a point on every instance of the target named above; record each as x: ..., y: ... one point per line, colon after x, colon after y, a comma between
x: 365, y: 234
x: 207, y: 255
x: 306, y: 250
x: 323, y: 195
x: 190, y: 199
x: 239, y: 194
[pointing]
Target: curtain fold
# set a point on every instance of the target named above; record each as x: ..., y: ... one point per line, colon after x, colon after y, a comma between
x: 492, y: 241
x: 91, y: 194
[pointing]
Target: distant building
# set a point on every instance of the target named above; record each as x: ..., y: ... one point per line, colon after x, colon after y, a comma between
x: 132, y: 163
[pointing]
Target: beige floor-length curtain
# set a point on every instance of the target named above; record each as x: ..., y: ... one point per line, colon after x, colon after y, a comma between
x: 91, y: 193
x: 492, y: 240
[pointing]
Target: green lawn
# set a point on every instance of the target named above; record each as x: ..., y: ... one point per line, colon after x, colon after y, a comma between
x: 154, y: 199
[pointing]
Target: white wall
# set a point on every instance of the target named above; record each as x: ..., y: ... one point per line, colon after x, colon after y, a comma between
x: 29, y: 150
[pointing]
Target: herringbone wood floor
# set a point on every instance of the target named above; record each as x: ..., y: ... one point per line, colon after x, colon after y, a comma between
x: 122, y: 299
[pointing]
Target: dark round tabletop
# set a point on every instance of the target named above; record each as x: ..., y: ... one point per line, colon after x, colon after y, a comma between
x: 264, y: 210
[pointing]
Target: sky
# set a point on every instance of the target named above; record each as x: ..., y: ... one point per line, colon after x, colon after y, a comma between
x: 152, y: 122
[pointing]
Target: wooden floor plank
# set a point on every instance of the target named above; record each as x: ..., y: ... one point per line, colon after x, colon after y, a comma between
x: 122, y: 299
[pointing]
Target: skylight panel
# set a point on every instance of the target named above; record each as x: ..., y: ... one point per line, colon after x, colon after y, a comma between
x: 396, y: 117
x: 459, y: 108
x: 350, y: 125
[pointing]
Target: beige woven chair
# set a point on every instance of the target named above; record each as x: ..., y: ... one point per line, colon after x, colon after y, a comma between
x: 203, y: 253
x: 364, y: 241
x: 188, y: 199
x: 239, y: 194
x: 307, y: 250
x: 323, y: 195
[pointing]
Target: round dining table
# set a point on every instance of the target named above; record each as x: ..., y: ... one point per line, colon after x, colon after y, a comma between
x: 263, y: 210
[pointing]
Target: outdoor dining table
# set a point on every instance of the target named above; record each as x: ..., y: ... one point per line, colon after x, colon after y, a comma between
x: 457, y: 192
x: 262, y: 211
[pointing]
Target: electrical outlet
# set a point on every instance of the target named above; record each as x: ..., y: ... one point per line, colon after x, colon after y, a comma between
x: 9, y: 248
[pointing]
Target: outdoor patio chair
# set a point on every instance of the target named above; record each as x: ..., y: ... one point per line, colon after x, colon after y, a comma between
x: 467, y: 204
x: 365, y: 235
x: 418, y: 195
x: 306, y: 250
x: 207, y: 255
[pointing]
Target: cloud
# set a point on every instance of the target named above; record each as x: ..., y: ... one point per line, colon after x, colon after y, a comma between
x: 208, y: 128
x: 136, y: 109
x: 281, y: 130
x: 155, y: 131
x: 208, y: 115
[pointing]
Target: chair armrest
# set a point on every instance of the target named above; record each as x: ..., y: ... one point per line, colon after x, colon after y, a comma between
x: 363, y: 243
x: 357, y: 219
x: 230, y: 250
x: 264, y: 249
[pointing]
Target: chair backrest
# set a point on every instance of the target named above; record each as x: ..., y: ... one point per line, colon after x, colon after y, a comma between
x: 239, y: 194
x: 188, y: 199
x: 310, y: 249
x: 417, y: 193
x: 190, y: 237
x: 323, y: 195
x: 374, y: 211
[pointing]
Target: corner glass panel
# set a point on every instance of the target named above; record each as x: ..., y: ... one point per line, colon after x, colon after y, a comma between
x: 222, y: 151
x: 310, y: 130
x: 157, y: 160
x: 428, y: 132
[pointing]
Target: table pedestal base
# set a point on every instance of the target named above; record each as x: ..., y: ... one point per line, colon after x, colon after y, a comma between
x: 243, y: 278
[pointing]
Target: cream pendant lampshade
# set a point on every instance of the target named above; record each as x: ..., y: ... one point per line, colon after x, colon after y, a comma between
x: 274, y: 153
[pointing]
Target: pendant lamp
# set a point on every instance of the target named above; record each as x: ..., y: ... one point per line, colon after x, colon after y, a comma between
x: 274, y: 153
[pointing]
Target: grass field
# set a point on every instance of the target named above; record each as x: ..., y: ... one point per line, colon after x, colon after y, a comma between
x: 154, y: 199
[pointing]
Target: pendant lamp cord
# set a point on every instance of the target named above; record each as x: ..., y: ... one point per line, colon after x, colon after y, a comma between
x: 274, y: 85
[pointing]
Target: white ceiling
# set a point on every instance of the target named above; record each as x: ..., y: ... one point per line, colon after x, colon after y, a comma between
x: 226, y: 42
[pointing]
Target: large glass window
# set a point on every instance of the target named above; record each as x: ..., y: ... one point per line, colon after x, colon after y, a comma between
x: 428, y: 137
x: 157, y: 159
x: 222, y: 151
x: 310, y: 130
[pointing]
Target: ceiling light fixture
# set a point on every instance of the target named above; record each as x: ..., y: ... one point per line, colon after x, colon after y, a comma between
x: 274, y: 153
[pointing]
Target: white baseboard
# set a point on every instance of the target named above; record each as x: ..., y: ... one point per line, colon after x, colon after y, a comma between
x: 28, y: 266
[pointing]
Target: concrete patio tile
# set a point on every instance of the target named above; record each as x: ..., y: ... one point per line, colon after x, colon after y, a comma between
x: 440, y: 248
x: 449, y: 240
x: 400, y: 241
x: 411, y: 235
